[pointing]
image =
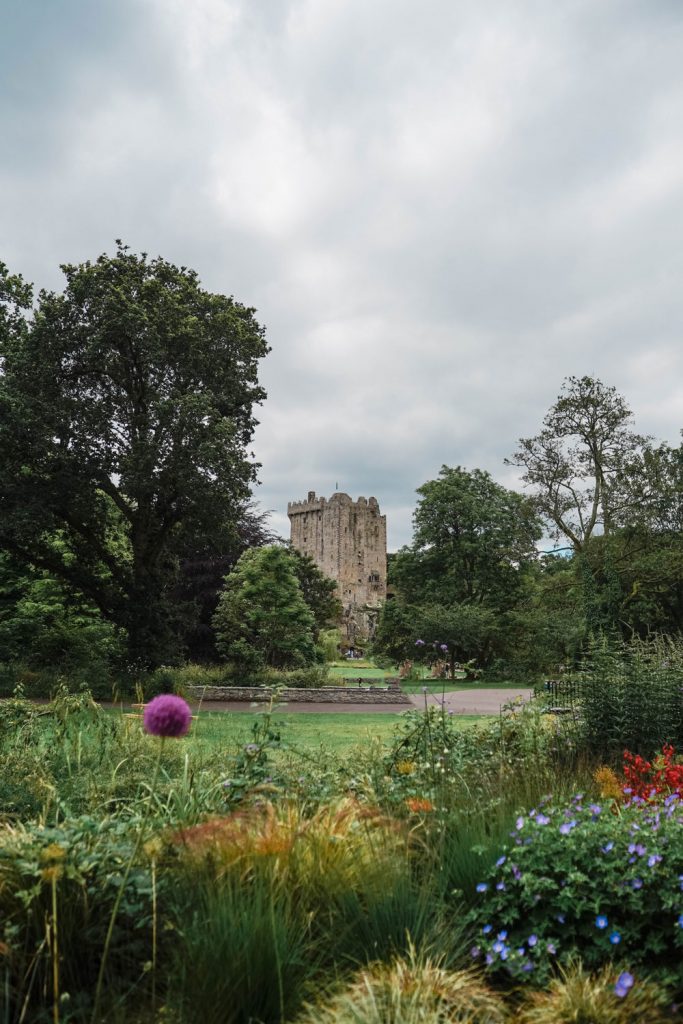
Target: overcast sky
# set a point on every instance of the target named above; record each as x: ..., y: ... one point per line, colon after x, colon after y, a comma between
x: 439, y: 209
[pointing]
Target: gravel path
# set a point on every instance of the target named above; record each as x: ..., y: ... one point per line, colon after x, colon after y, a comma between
x: 460, y: 702
x: 473, y: 702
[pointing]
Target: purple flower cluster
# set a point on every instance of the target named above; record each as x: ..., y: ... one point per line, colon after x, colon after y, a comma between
x: 167, y: 715
x: 551, y: 851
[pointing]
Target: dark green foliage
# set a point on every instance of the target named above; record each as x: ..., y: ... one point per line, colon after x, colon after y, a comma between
x: 86, y: 856
x: 472, y: 540
x: 632, y: 695
x: 44, y: 624
x: 576, y: 876
x: 125, y: 415
x: 471, y: 632
x: 262, y: 618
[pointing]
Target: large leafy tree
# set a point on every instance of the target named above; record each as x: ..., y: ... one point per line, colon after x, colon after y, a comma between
x: 575, y: 464
x: 262, y: 618
x: 126, y: 412
x: 472, y: 540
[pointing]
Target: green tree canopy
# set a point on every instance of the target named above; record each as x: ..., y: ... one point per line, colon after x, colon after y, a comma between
x: 126, y: 411
x: 262, y: 617
x: 574, y: 465
x: 472, y: 541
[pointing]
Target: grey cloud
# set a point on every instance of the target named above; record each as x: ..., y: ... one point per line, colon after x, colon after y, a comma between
x: 439, y: 211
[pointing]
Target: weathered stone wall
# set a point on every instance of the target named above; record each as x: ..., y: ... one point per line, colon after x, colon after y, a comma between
x: 348, y: 541
x: 323, y: 695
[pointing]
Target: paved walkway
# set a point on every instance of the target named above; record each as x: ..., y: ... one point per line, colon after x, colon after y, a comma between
x: 473, y: 702
x: 461, y: 702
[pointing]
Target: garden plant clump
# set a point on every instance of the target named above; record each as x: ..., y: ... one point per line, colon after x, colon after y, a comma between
x: 152, y: 871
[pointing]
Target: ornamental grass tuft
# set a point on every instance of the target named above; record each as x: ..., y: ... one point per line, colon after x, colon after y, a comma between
x: 410, y: 990
x: 577, y: 997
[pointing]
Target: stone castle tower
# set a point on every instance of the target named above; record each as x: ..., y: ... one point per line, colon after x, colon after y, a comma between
x: 348, y: 542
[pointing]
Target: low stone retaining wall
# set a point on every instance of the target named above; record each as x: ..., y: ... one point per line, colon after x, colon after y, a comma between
x: 322, y: 695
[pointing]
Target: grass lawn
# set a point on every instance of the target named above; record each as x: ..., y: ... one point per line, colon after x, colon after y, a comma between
x: 363, y: 672
x: 436, y: 686
x: 336, y: 732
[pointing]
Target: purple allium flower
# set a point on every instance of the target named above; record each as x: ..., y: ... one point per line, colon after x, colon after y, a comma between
x: 615, y: 938
x: 623, y: 984
x: 601, y: 921
x: 482, y: 887
x: 167, y: 715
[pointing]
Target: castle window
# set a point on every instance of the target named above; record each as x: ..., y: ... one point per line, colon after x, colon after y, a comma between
x: 373, y: 577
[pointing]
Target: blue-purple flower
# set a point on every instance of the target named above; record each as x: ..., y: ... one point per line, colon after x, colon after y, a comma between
x: 601, y: 921
x: 624, y: 984
x: 615, y: 938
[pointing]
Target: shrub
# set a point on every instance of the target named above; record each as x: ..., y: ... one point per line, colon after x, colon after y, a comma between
x: 604, y: 880
x: 84, y: 859
x: 632, y: 695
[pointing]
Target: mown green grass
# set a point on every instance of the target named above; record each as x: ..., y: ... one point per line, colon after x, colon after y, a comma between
x: 372, y: 675
x: 335, y: 732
